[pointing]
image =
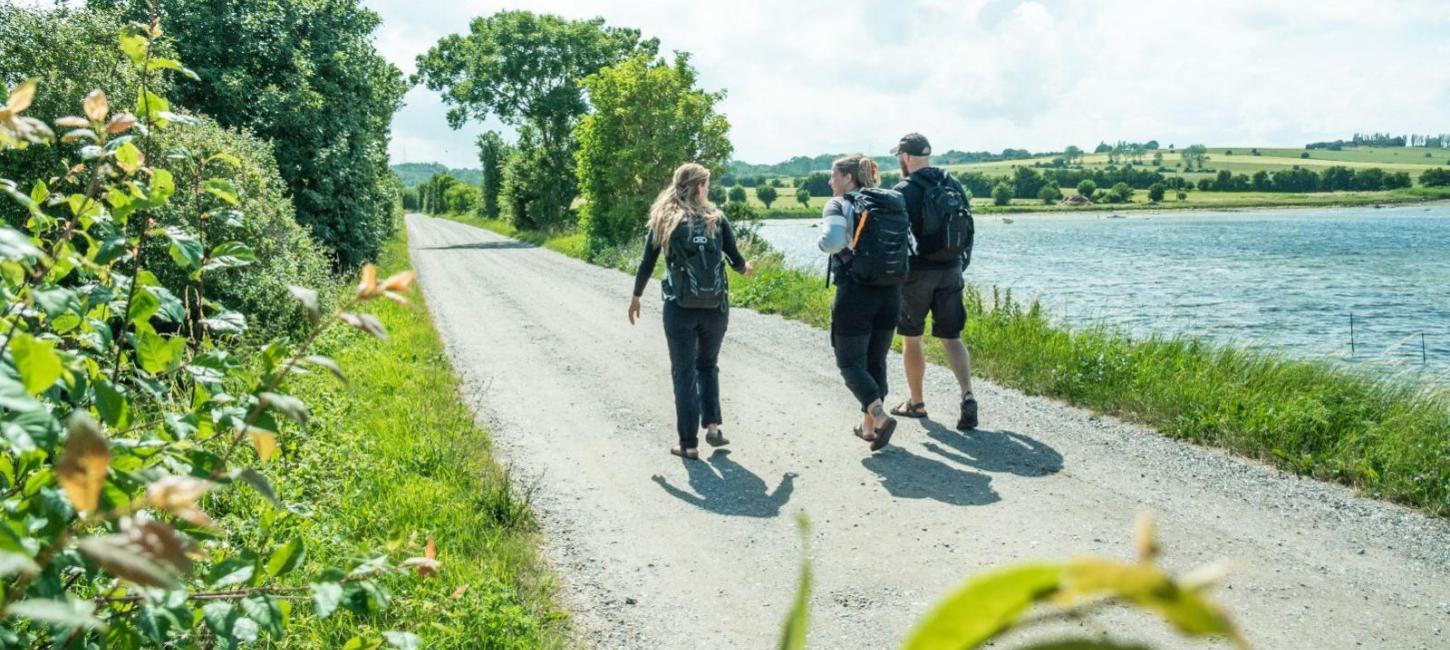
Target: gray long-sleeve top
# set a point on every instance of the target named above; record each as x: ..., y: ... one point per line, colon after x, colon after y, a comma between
x: 835, y: 226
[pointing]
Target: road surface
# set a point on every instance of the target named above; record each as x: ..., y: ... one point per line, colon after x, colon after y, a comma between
x: 655, y: 552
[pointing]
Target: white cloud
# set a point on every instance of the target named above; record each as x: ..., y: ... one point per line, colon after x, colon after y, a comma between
x: 818, y: 77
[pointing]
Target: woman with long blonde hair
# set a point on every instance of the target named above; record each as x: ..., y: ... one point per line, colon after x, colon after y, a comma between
x: 867, y: 234
x: 697, y: 242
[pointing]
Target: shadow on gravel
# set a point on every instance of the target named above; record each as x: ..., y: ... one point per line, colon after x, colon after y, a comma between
x: 1005, y: 452
x: 909, y: 476
x: 481, y: 246
x: 725, y: 487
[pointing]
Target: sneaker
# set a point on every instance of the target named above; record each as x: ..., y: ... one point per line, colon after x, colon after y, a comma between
x: 968, y: 421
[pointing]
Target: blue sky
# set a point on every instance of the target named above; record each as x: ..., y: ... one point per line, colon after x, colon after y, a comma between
x: 852, y: 75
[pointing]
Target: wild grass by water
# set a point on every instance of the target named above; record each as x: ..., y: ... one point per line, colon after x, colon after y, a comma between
x: 1388, y: 438
x: 396, y: 459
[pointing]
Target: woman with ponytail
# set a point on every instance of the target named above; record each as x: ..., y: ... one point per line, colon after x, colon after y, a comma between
x: 696, y: 242
x: 866, y: 232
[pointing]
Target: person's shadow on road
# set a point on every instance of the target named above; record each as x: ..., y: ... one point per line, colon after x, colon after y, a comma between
x: 1005, y: 452
x: 725, y: 487
x: 909, y: 476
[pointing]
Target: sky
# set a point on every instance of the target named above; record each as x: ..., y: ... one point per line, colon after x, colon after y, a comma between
x: 807, y: 78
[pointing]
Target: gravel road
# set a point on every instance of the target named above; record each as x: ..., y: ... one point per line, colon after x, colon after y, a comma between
x: 653, y: 552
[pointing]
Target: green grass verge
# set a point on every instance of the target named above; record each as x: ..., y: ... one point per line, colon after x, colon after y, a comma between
x: 394, y: 459
x: 1389, y: 439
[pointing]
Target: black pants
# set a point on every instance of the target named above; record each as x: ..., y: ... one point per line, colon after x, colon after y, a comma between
x: 694, y: 337
x: 863, y: 320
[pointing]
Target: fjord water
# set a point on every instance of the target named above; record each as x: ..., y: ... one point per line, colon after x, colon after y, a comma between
x: 1284, y: 280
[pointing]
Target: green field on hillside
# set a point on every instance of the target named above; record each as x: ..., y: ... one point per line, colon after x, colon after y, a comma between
x: 1241, y: 160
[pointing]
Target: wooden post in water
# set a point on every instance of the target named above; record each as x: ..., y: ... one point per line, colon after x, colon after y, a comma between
x: 1351, y: 334
x: 1424, y: 358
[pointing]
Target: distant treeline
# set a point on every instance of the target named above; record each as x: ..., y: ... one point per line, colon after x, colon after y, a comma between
x: 1441, y: 141
x: 415, y: 174
x: 804, y: 165
x: 1028, y: 182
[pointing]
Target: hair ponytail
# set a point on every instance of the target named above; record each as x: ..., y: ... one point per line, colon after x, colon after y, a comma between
x: 861, y: 169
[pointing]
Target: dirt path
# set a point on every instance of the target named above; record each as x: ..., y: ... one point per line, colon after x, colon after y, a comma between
x: 656, y: 553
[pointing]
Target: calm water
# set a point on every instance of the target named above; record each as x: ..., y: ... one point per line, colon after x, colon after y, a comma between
x: 1280, y: 279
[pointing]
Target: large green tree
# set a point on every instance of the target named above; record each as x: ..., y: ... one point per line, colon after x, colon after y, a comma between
x: 305, y: 75
x: 649, y: 118
x: 527, y: 70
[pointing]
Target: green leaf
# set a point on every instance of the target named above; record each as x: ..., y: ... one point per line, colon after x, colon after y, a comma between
x: 163, y: 185
x: 226, y: 322
x: 265, y: 612
x: 220, y: 617
x: 115, y: 409
x: 229, y: 255
x: 150, y: 106
x: 222, y: 189
x: 234, y: 571
x: 984, y: 607
x: 328, y: 364
x: 143, y: 306
x: 55, y: 301
x: 1150, y: 588
x: 797, y: 622
x: 39, y: 192
x: 308, y: 298
x: 157, y: 354
x: 67, y: 614
x: 16, y: 246
x: 37, y: 362
x: 259, y: 483
x: 403, y: 640
x: 226, y: 158
x: 285, y: 558
x: 325, y: 597
x: 286, y: 404
x: 185, y: 250
x: 171, y: 64
x: 134, y: 46
x: 128, y: 157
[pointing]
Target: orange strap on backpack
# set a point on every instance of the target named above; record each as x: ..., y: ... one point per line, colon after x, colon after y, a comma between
x: 859, y: 226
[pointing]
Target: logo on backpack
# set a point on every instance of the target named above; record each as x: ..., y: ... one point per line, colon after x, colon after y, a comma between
x: 696, y: 265
x: 882, y: 240
x: 947, y: 228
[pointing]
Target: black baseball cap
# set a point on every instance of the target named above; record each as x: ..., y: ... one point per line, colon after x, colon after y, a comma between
x: 913, y: 144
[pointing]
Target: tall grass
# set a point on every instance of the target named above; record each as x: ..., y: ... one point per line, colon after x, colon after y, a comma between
x: 1386, y: 437
x: 396, y: 459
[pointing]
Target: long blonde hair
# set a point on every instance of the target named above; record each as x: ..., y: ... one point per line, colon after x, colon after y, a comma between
x: 860, y: 169
x: 680, y: 201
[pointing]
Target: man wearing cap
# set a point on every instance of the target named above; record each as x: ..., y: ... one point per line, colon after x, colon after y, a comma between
x: 934, y: 285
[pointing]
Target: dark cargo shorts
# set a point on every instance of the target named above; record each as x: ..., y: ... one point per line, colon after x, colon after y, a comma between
x: 934, y: 291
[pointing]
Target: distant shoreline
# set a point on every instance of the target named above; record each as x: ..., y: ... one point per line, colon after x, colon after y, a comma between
x: 1099, y: 209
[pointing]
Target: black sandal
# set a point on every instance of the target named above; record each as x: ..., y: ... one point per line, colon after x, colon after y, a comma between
x: 716, y: 439
x: 688, y: 454
x: 908, y: 410
x: 883, y: 435
x: 860, y: 433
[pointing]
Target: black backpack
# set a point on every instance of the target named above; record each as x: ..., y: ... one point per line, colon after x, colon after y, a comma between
x: 696, y: 267
x: 947, y: 229
x: 881, y: 237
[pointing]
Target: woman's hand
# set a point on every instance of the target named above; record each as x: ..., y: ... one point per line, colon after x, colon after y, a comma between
x: 749, y: 268
x: 633, y: 309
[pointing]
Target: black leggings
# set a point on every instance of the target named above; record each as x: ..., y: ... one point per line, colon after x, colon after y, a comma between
x: 694, y: 337
x: 863, y: 321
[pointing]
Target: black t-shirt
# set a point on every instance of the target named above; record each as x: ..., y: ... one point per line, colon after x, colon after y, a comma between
x: 914, y: 194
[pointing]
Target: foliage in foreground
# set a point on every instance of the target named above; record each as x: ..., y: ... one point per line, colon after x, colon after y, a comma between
x: 1385, y: 437
x: 992, y: 605
x: 134, y: 513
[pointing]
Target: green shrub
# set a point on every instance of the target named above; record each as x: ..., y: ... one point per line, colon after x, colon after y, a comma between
x: 1049, y: 194
x: 1087, y: 187
x: 1002, y: 194
x: 263, y: 219
x: 1156, y: 191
